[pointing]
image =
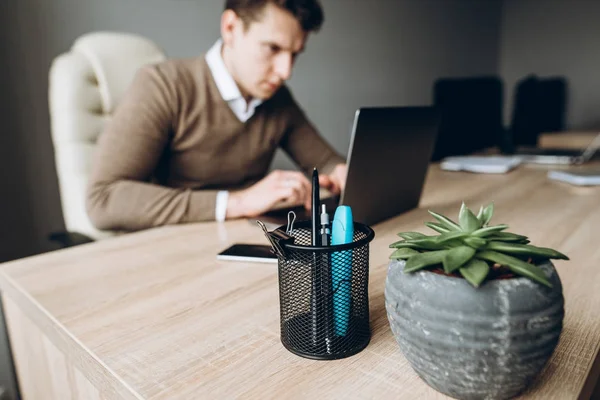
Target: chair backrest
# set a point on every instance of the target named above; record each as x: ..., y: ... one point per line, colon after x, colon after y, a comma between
x: 539, y: 106
x: 85, y: 86
x: 471, y: 115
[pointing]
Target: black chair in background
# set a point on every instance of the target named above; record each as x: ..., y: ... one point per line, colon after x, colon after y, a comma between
x: 471, y: 115
x: 539, y: 106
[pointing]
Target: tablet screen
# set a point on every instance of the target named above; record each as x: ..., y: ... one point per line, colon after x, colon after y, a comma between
x: 248, y: 252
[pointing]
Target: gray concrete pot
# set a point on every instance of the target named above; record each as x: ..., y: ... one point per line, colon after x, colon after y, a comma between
x: 485, y: 343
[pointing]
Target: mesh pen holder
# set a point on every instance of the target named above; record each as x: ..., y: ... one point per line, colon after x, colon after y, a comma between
x: 323, y: 293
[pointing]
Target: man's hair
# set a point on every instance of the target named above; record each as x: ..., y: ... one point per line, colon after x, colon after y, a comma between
x: 307, y: 12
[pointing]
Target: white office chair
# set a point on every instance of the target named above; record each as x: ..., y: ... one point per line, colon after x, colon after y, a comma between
x: 85, y: 86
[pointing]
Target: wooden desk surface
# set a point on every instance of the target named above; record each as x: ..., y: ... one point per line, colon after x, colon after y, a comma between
x: 573, y: 140
x: 154, y: 315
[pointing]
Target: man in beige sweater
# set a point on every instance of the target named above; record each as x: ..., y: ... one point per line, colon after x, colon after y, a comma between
x: 192, y: 140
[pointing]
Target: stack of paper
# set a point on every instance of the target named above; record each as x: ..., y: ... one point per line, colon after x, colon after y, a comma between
x: 481, y: 164
x: 584, y: 177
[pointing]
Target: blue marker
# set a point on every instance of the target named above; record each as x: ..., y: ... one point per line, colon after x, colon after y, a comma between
x: 342, y: 232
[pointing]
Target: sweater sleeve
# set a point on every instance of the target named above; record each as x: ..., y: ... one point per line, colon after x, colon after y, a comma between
x: 303, y: 143
x: 120, y: 195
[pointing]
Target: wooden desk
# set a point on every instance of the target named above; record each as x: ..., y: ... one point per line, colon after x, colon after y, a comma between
x: 153, y: 315
x: 572, y: 140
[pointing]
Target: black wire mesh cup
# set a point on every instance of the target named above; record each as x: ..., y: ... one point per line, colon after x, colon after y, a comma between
x: 323, y: 295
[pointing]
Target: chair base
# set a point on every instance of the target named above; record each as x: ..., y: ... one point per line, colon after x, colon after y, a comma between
x: 69, y: 239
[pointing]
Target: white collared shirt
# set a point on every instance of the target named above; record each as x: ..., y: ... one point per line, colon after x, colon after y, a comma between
x: 232, y: 95
x: 227, y: 86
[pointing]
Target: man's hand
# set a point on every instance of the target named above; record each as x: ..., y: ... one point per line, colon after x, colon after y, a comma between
x: 288, y: 186
x: 336, y: 181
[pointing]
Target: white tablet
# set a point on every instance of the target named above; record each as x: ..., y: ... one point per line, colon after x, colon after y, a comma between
x: 481, y: 164
x: 248, y: 253
x: 586, y: 177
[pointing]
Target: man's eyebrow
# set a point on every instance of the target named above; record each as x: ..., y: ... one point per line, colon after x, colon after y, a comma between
x: 272, y: 43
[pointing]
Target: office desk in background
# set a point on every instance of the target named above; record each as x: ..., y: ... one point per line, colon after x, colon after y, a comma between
x: 153, y: 315
x: 570, y: 140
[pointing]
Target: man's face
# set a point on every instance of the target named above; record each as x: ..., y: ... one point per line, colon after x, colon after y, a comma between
x: 261, y: 56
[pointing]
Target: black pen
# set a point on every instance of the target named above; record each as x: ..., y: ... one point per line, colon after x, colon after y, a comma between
x: 315, y: 301
x: 315, y: 207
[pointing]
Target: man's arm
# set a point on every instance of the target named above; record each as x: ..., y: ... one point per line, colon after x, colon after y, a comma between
x: 304, y: 144
x: 120, y: 195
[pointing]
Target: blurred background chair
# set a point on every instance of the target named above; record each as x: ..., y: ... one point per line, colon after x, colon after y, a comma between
x: 539, y: 106
x: 85, y: 86
x: 471, y: 115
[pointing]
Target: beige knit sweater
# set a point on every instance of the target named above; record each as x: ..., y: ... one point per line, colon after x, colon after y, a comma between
x: 173, y: 142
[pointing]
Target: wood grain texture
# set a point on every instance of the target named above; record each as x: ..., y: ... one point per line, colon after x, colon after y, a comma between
x: 153, y: 315
x: 44, y: 371
x: 573, y: 140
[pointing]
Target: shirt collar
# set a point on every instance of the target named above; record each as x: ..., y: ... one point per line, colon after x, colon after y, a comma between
x: 225, y: 83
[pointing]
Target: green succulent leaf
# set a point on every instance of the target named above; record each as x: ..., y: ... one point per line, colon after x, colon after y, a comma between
x: 427, y: 244
x: 467, y: 220
x: 422, y: 260
x: 444, y: 238
x: 490, y: 230
x: 480, y: 214
x: 403, y: 243
x: 525, y: 250
x: 474, y: 242
x: 457, y: 257
x: 487, y: 214
x: 445, y: 221
x: 403, y: 253
x: 517, y: 266
x: 471, y: 246
x: 437, y: 227
x: 507, y: 237
x: 452, y: 243
x: 412, y: 235
x: 475, y: 271
x: 424, y: 244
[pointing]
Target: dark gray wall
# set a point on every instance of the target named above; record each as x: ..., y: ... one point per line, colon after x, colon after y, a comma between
x: 376, y: 52
x: 555, y: 38
x: 389, y: 52
x: 17, y: 231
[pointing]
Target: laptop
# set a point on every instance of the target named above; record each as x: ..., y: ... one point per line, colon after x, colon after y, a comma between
x: 559, y: 156
x: 389, y: 155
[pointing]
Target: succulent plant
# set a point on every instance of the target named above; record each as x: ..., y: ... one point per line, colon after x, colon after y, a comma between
x: 473, y: 248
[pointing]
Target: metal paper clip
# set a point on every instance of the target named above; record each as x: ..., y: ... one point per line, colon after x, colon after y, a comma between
x: 290, y: 225
x: 277, y: 239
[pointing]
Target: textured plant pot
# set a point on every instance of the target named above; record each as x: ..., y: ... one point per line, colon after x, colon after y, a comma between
x: 485, y: 343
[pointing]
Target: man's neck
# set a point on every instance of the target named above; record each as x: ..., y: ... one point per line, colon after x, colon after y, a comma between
x: 227, y: 61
